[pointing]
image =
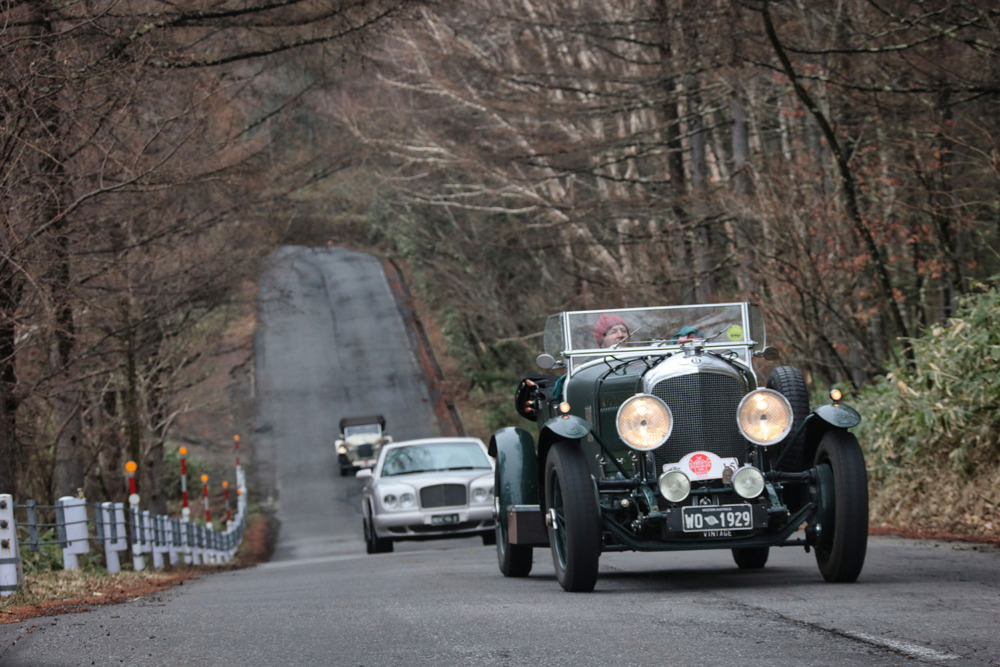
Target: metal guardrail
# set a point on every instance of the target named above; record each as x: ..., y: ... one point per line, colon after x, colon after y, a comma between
x: 74, y: 525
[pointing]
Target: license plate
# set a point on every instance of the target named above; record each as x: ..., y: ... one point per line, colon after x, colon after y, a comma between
x: 702, y: 519
x: 444, y: 519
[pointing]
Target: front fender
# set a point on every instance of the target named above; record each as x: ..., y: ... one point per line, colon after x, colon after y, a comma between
x: 517, y: 468
x: 838, y: 414
x: 563, y: 427
x: 824, y: 418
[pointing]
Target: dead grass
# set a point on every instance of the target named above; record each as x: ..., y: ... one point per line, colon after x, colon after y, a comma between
x: 68, y: 592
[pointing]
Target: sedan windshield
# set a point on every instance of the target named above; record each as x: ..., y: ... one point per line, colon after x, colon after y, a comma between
x: 433, y: 456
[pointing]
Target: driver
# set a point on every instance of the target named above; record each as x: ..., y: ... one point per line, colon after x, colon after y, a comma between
x: 610, y: 329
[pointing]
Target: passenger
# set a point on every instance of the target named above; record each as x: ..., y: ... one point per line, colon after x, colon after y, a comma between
x: 610, y: 330
x: 687, y: 334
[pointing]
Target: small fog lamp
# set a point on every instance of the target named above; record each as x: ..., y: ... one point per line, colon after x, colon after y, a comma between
x: 748, y: 482
x: 564, y: 407
x: 836, y: 395
x: 674, y: 485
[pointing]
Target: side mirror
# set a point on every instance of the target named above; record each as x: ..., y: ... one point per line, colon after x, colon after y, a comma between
x: 769, y: 353
x: 547, y: 361
x: 364, y: 473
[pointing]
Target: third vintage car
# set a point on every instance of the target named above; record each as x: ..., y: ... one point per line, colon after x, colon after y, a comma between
x: 659, y: 436
x: 359, y: 443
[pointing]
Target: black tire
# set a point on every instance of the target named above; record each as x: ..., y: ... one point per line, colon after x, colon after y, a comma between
x: 842, y: 490
x: 751, y: 558
x: 515, y: 560
x: 489, y: 539
x: 787, y: 380
x: 373, y: 543
x: 575, y: 528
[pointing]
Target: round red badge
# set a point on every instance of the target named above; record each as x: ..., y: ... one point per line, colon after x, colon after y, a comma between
x: 700, y: 464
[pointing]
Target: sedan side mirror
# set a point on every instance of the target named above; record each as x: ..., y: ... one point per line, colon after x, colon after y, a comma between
x: 364, y: 473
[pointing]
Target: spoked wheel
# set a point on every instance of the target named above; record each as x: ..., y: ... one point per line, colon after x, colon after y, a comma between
x: 373, y: 543
x: 573, y: 518
x: 842, y: 516
x: 751, y: 558
x: 514, y: 559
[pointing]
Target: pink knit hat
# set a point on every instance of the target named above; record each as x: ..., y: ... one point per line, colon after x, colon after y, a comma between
x: 605, y: 322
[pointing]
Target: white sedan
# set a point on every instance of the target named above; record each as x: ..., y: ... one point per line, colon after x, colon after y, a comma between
x: 430, y: 488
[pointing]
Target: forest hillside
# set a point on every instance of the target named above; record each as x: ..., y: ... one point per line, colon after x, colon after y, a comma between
x: 836, y: 163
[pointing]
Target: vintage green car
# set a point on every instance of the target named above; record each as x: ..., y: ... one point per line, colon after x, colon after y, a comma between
x: 660, y: 437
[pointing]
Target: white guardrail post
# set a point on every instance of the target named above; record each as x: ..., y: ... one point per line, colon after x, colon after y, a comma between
x: 74, y: 519
x: 135, y: 520
x: 113, y: 521
x: 11, y: 574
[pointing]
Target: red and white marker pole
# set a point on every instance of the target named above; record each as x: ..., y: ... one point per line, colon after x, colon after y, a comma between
x: 185, y: 510
x: 225, y: 495
x: 208, y: 513
x: 239, y: 470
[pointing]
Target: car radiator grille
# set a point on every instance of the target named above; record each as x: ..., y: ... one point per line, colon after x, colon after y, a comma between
x: 704, y: 408
x: 365, y: 451
x: 442, y: 495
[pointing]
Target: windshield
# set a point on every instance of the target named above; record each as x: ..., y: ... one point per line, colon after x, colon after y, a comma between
x: 364, y: 429
x: 597, y: 333
x: 434, y: 456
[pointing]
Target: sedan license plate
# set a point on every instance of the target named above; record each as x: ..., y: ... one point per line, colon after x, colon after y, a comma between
x: 701, y: 519
x: 444, y: 519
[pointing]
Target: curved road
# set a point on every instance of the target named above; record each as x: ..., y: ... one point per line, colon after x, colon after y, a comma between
x: 331, y: 343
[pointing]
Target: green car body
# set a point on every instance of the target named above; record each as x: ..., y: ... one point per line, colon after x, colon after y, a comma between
x: 665, y: 442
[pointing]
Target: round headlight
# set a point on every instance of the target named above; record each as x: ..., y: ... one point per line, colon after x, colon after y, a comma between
x: 765, y: 417
x: 748, y: 482
x: 675, y: 485
x: 644, y: 422
x: 479, y: 495
x: 390, y: 500
x: 407, y: 500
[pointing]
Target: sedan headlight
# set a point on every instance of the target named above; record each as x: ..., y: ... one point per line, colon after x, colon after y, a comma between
x: 748, y: 482
x: 765, y: 417
x: 481, y: 495
x: 644, y: 422
x: 398, y: 497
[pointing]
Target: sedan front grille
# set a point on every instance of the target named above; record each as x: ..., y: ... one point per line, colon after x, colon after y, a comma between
x: 704, y: 408
x: 443, y: 495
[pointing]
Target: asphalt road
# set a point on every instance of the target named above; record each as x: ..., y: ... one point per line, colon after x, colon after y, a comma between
x: 323, y: 601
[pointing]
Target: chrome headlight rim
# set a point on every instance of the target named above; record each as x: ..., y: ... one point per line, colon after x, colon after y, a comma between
x: 660, y: 410
x: 756, y: 480
x: 674, y: 485
x: 773, y: 440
